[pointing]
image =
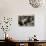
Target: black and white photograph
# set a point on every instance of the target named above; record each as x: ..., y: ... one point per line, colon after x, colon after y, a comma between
x: 26, y: 20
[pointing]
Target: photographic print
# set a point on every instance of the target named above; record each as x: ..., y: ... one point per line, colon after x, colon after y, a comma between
x: 26, y: 20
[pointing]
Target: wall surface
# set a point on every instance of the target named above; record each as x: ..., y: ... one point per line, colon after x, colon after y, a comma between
x: 14, y: 8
